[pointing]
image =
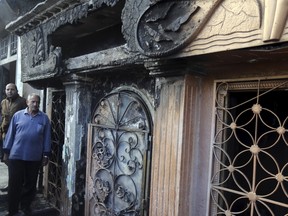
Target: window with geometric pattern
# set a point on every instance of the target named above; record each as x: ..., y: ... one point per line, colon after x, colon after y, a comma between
x: 250, y: 149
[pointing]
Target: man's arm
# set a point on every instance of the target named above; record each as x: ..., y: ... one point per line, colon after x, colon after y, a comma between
x: 9, y: 138
x: 47, y: 142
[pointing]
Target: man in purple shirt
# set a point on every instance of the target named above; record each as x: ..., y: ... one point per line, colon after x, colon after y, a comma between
x: 26, y: 147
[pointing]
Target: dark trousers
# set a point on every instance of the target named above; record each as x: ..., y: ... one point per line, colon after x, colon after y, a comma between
x: 22, y: 183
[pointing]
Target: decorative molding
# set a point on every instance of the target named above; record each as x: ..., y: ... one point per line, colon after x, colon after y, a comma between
x: 263, y: 84
x: 72, y: 79
x: 40, y: 14
x: 169, y: 67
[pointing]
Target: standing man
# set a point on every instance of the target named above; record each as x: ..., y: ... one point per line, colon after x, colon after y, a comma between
x: 11, y: 104
x: 27, y: 146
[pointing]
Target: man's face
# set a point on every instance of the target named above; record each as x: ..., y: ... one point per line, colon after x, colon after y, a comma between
x: 33, y: 104
x: 10, y: 91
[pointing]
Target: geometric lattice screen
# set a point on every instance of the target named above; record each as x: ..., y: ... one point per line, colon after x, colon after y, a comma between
x: 250, y: 149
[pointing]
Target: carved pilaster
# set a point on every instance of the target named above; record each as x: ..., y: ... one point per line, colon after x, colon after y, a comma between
x: 165, y: 68
x: 176, y: 126
x: 77, y: 116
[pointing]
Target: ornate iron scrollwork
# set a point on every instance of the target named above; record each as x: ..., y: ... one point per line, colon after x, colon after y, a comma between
x: 118, y: 158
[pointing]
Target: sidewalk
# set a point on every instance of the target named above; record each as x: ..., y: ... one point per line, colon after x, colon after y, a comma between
x: 3, y: 183
x: 40, y: 206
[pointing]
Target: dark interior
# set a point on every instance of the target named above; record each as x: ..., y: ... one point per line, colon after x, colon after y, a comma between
x: 275, y: 101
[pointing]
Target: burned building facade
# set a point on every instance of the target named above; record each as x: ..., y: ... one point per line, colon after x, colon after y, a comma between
x: 162, y: 107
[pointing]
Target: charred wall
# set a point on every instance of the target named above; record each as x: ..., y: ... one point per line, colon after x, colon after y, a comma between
x: 138, y: 82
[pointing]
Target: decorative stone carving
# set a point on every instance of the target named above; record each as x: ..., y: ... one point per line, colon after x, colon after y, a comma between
x: 130, y: 15
x: 37, y: 48
x: 155, y: 28
x: 39, y: 62
x: 167, y: 26
x: 235, y: 24
x: 40, y: 59
x: 241, y: 24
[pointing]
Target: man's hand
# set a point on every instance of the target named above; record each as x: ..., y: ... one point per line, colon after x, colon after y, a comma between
x: 6, y: 158
x: 45, y: 160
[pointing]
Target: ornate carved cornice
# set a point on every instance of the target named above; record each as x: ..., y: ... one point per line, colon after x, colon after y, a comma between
x: 168, y: 67
x: 72, y: 79
x: 39, y: 14
x: 264, y: 84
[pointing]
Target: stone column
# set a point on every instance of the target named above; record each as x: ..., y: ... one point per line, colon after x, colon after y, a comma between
x: 175, y: 130
x: 18, y: 82
x: 77, y: 117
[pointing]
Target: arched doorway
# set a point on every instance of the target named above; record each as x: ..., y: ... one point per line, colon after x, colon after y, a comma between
x: 118, y: 156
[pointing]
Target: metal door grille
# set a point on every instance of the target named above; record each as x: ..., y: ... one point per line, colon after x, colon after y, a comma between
x: 118, y: 157
x: 250, y: 149
x: 55, y: 164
